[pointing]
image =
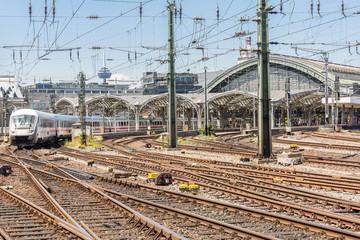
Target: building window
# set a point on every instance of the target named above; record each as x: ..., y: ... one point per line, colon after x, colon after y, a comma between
x: 68, y: 91
x: 59, y: 91
x: 95, y: 92
x: 51, y: 91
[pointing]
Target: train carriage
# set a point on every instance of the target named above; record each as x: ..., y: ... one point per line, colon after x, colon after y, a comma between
x: 30, y: 127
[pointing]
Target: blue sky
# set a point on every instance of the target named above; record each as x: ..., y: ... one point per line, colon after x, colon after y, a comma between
x: 27, y: 48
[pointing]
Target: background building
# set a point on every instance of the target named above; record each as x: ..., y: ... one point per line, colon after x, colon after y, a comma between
x: 11, y: 98
x: 40, y: 96
x: 157, y: 83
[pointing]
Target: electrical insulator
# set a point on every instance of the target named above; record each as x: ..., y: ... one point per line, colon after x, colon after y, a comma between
x: 180, y: 12
x: 175, y: 12
x: 312, y: 8
x: 45, y: 10
x: 78, y: 54
x: 53, y: 10
x: 318, y: 7
x: 349, y: 47
x: 140, y: 11
x: 343, y: 8
x: 93, y: 17
x: 30, y: 10
x: 217, y: 14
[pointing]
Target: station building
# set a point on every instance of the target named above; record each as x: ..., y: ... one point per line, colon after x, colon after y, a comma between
x: 232, y: 95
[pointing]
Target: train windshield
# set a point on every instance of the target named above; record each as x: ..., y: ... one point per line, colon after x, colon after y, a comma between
x: 23, y: 121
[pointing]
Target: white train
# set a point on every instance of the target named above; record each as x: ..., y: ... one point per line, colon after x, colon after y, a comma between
x: 30, y: 127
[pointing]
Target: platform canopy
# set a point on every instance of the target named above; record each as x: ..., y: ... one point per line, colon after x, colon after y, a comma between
x: 347, y: 102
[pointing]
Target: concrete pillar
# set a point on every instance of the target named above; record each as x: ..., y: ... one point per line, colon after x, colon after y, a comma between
x: 309, y: 117
x: 352, y: 111
x: 137, y: 118
x: 189, y: 115
x: 222, y: 116
x: 198, y: 111
x: 163, y: 117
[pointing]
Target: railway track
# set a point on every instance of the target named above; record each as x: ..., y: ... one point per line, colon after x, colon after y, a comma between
x: 315, y: 144
x: 341, y: 138
x: 83, y: 211
x: 247, y: 195
x: 21, y: 219
x: 256, y: 171
x: 286, y: 227
x: 190, y: 225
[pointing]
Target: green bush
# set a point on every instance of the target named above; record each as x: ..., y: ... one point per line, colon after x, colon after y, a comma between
x: 211, y: 130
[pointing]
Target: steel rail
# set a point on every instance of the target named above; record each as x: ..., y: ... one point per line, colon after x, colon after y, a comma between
x: 4, y: 234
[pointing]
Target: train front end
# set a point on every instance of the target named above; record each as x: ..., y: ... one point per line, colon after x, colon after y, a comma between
x: 23, y: 128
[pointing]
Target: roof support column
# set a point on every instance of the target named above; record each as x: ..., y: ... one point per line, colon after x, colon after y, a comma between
x: 352, y: 111
x: 272, y: 115
x: 137, y: 118
x: 309, y: 116
x: 222, y: 116
x: 189, y: 115
x: 343, y: 114
x: 198, y: 111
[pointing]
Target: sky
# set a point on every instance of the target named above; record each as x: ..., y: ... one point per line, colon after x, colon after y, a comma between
x: 59, y: 47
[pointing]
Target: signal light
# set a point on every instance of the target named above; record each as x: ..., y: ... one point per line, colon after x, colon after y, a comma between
x: 169, y: 175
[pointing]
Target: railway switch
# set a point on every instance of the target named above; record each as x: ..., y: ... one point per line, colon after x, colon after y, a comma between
x: 163, y: 179
x: 6, y: 170
x: 183, y: 188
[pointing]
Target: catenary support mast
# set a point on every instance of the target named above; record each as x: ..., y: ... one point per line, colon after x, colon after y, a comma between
x: 264, y: 126
x: 171, y: 83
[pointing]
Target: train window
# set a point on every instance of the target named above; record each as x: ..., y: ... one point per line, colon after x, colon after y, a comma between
x: 24, y: 120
